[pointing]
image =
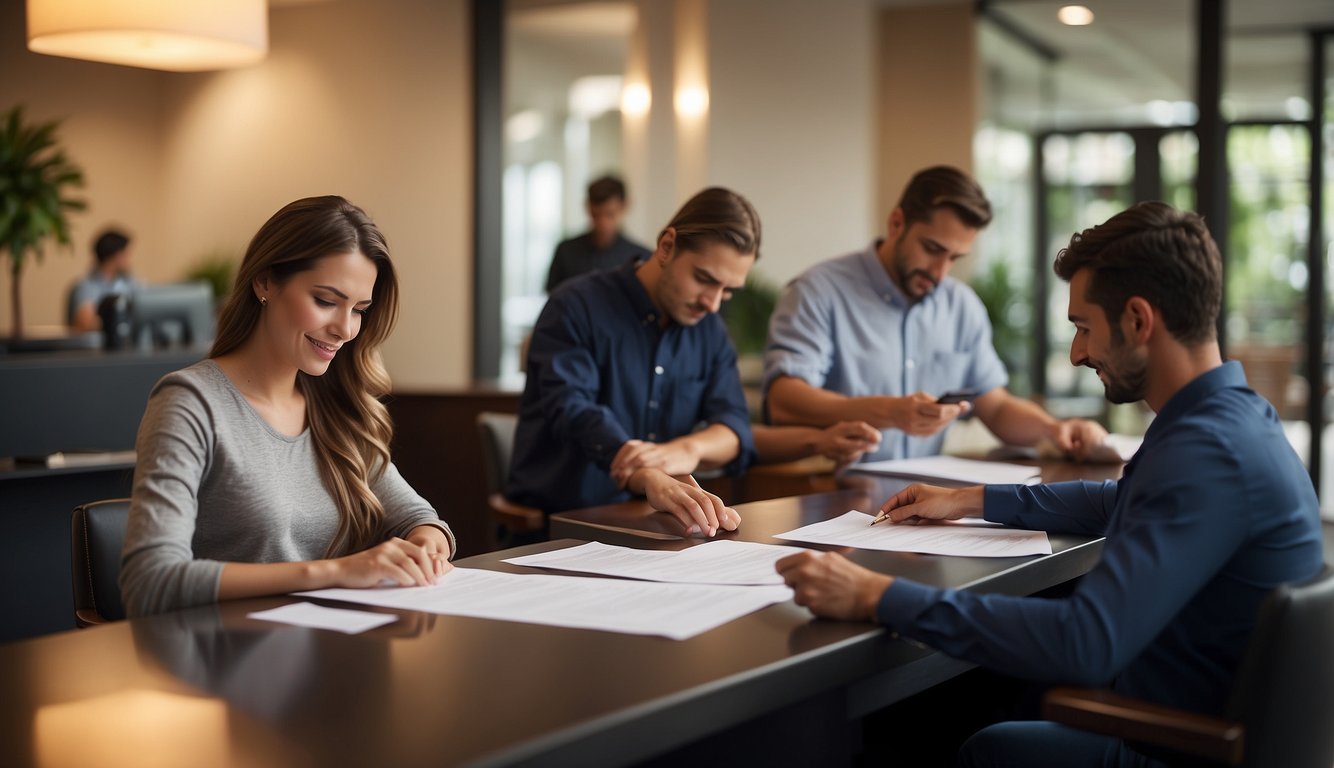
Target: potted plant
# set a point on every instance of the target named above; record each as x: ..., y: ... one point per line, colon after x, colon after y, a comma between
x: 35, y: 180
x: 747, y: 318
x: 217, y: 269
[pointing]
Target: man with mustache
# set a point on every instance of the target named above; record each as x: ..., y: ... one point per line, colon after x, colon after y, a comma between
x: 632, y: 381
x: 880, y: 334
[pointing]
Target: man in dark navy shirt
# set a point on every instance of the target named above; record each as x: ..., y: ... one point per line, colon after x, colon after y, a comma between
x: 1212, y: 512
x: 603, y: 246
x: 633, y: 384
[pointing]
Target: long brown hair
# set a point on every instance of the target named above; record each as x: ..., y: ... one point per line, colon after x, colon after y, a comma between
x: 349, y: 425
x: 720, y: 215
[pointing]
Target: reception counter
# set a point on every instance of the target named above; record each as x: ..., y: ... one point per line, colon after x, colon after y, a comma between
x: 62, y: 401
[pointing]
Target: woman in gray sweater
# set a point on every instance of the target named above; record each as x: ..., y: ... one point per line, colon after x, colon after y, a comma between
x: 265, y: 468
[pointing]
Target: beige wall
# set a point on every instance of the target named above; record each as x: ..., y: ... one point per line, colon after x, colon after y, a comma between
x: 926, y: 93
x: 792, y: 123
x: 789, y: 122
x: 371, y: 100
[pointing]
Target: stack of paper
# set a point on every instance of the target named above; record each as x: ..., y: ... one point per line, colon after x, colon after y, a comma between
x: 717, y: 562
x: 677, y: 611
x: 954, y: 469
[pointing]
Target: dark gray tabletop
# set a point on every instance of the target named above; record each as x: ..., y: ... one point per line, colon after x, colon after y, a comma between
x: 219, y: 688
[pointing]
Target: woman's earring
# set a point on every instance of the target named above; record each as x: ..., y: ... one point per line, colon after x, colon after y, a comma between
x: 263, y: 302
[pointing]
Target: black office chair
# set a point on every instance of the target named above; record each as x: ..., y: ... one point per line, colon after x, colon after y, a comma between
x: 1281, y: 708
x: 97, y: 533
x: 514, y: 523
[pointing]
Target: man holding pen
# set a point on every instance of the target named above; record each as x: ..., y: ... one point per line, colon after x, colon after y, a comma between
x: 1212, y: 512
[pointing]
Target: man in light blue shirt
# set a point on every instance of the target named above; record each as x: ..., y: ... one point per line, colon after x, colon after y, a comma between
x: 879, y: 335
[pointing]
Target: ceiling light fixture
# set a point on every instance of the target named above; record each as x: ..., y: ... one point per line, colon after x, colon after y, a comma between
x: 175, y: 35
x: 1075, y: 15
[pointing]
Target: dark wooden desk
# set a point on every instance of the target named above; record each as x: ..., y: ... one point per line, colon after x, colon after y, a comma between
x: 208, y: 686
x: 629, y: 521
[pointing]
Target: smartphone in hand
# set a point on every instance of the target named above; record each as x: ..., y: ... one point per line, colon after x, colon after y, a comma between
x: 958, y: 396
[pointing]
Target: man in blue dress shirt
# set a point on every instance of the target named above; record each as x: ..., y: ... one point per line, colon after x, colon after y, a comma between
x: 1212, y: 512
x: 633, y: 384
x: 880, y: 334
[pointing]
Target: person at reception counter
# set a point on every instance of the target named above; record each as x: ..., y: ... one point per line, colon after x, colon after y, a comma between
x: 632, y: 381
x: 109, y: 276
x: 1212, y: 512
x: 882, y: 334
x: 265, y: 468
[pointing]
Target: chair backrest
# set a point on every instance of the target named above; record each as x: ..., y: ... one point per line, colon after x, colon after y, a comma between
x: 497, y: 433
x: 1284, y: 692
x: 97, y: 533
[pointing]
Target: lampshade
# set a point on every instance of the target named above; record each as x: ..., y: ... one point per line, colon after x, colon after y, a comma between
x: 176, y: 35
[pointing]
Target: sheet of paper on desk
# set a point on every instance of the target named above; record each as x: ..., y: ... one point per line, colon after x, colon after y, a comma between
x: 676, y: 611
x: 717, y: 562
x: 319, y: 617
x: 955, y: 469
x: 854, y: 529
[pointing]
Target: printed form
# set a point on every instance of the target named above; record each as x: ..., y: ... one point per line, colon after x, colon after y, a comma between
x: 676, y: 611
x: 854, y: 529
x: 717, y: 562
x: 955, y: 469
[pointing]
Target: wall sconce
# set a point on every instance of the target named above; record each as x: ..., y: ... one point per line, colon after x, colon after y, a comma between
x: 692, y: 101
x: 175, y: 35
x: 636, y: 99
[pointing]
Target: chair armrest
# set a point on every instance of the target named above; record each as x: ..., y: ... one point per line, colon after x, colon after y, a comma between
x: 518, y: 518
x: 1135, y: 720
x: 87, y: 617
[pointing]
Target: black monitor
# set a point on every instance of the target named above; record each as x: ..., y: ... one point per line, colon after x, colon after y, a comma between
x: 173, y: 315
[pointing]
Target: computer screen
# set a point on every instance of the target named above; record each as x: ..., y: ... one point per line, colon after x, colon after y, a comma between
x: 172, y: 315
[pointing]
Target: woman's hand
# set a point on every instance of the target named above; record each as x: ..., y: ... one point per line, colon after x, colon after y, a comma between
x: 436, y: 544
x: 397, y: 561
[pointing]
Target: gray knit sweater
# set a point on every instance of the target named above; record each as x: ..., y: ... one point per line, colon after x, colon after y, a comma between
x: 214, y: 483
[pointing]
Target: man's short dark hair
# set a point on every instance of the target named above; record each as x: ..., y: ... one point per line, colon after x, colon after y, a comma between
x: 943, y: 186
x: 109, y: 243
x: 1154, y: 251
x: 606, y: 188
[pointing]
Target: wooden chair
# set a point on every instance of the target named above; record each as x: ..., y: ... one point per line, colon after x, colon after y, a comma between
x: 514, y: 523
x: 97, y: 533
x: 1281, y: 708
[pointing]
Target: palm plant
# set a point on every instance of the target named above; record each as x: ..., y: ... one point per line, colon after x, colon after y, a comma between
x: 35, y: 178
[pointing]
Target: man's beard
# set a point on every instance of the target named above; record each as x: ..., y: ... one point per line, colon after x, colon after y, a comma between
x: 1125, y: 374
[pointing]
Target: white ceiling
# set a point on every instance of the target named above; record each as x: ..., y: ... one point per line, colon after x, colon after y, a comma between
x: 1135, y: 54
x: 1142, y: 51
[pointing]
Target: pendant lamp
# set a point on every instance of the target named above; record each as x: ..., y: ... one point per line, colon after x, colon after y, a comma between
x: 175, y: 35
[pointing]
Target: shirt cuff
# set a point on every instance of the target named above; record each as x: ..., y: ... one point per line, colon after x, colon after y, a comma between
x: 1001, y: 503
x: 903, y: 601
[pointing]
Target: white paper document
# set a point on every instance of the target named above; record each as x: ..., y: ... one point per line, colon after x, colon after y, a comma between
x: 677, y: 611
x: 717, y: 562
x: 854, y: 529
x: 319, y: 617
x: 955, y: 469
